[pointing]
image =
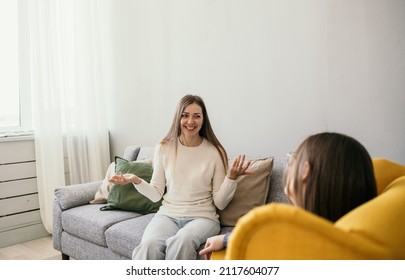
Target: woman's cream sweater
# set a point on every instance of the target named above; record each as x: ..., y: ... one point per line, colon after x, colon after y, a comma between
x: 194, y: 178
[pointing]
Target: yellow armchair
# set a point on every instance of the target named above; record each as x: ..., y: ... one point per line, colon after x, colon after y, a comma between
x: 374, y: 230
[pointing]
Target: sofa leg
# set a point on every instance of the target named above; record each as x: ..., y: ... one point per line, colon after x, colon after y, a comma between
x: 65, y: 257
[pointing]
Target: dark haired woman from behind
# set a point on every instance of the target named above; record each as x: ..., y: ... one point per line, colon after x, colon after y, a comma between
x: 329, y: 174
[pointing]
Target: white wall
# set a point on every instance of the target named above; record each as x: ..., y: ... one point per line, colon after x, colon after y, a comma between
x: 271, y: 72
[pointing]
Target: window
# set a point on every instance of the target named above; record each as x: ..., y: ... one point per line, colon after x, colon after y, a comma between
x: 15, y: 113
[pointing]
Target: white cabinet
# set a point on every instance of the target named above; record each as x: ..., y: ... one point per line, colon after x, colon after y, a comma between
x: 19, y: 207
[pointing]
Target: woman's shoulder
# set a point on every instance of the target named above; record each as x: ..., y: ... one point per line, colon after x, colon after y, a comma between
x: 206, y: 144
x: 167, y: 144
x: 210, y: 148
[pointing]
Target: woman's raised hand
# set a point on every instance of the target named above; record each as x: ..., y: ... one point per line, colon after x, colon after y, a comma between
x: 239, y: 168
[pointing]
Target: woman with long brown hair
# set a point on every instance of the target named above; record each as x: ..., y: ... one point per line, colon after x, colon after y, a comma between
x: 329, y: 174
x: 191, y: 174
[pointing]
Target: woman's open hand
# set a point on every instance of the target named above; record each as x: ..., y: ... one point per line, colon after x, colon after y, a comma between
x: 239, y: 168
x: 123, y: 179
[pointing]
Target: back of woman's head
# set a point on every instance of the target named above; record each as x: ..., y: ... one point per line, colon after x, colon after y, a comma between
x: 340, y: 178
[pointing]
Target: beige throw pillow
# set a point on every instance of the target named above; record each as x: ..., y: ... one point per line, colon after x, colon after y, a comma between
x: 105, y: 188
x: 251, y: 191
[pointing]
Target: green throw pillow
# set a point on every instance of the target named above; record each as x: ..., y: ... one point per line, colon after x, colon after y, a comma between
x: 126, y: 197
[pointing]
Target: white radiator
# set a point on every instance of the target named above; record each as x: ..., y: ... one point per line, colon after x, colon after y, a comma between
x: 19, y: 207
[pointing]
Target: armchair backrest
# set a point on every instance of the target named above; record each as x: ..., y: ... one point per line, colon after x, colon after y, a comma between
x: 374, y: 230
x: 385, y: 172
x: 381, y: 220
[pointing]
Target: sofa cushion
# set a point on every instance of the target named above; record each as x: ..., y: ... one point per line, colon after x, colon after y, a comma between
x: 126, y: 197
x: 276, y: 190
x: 89, y: 223
x: 80, y: 249
x: 123, y: 237
x: 252, y: 191
x: 146, y: 153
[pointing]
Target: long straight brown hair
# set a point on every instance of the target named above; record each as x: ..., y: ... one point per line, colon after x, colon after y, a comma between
x: 206, y: 130
x: 341, y: 175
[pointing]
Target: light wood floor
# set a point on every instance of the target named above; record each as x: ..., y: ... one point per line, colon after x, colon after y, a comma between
x: 39, y: 249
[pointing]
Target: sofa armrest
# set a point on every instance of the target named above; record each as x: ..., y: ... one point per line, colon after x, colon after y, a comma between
x: 68, y: 197
x: 75, y: 195
x: 57, y: 226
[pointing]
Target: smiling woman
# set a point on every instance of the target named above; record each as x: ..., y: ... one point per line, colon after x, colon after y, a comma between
x: 191, y: 174
x: 191, y: 122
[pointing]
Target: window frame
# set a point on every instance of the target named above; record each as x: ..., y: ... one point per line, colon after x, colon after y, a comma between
x: 25, y: 112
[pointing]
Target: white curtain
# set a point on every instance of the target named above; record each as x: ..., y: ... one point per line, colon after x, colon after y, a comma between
x: 69, y: 119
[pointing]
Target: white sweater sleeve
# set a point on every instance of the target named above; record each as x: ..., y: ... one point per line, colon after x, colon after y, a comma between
x: 155, y: 189
x: 223, y: 187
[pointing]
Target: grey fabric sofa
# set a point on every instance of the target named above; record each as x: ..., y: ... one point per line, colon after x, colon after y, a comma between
x: 82, y: 232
